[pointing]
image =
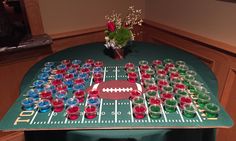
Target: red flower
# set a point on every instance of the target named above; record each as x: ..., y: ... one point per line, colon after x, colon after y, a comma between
x: 111, y: 26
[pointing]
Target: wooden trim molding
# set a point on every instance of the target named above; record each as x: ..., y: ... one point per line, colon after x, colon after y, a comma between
x: 229, y: 86
x: 77, y: 37
x: 32, y: 10
x: 74, y: 33
x: 214, y: 43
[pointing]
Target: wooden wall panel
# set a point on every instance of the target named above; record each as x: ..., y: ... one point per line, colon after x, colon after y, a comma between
x: 215, y: 59
x: 14, y: 136
x: 222, y: 63
x: 229, y: 102
x: 63, y: 43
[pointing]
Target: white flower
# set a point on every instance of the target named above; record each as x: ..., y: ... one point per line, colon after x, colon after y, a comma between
x: 106, y: 38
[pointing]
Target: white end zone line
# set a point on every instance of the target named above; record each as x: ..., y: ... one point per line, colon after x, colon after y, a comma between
x: 101, y: 100
x: 32, y: 120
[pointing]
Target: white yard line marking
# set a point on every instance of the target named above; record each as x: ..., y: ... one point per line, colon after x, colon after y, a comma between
x: 66, y: 119
x: 100, y: 111
x: 145, y: 102
x: 104, y: 75
x: 162, y: 109
x: 181, y: 116
x: 139, y: 87
x: 95, y: 86
x: 116, y: 73
x: 86, y: 102
x: 50, y: 118
x: 91, y: 81
x: 115, y: 110
x: 139, y: 73
x: 197, y: 112
x: 34, y: 117
x: 131, y: 111
x: 101, y: 100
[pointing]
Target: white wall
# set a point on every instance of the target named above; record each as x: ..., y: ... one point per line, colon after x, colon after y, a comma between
x: 69, y: 15
x: 210, y: 18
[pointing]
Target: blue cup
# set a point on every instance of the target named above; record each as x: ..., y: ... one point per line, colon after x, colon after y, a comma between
x: 27, y: 104
x: 49, y: 64
x: 72, y: 102
x: 33, y: 93
x: 43, y: 76
x: 94, y: 101
x: 44, y: 105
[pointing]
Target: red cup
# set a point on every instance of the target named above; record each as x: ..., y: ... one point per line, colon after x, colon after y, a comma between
x: 129, y: 65
x: 156, y: 63
x: 73, y: 112
x: 90, y: 61
x: 79, y: 94
x: 61, y: 87
x: 90, y: 111
x: 85, y: 70
x: 162, y: 83
x: 166, y: 96
x: 145, y: 77
x: 58, y: 105
x: 76, y: 66
x: 184, y: 100
x: 154, y: 101
x: 93, y: 93
x: 174, y: 75
x: 161, y: 72
x: 143, y: 68
x: 79, y: 81
x: 168, y: 66
x: 66, y: 62
x: 46, y: 94
x: 132, y: 77
x: 139, y: 111
x: 179, y: 86
x: 97, y: 77
x: 57, y: 82
x: 98, y: 64
x: 135, y: 93
x: 68, y: 76
x: 62, y: 71
x: 152, y: 87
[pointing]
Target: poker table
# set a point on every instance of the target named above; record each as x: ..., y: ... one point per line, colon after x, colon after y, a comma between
x: 114, y: 118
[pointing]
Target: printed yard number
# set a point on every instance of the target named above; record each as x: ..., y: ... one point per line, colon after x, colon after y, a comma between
x: 24, y: 117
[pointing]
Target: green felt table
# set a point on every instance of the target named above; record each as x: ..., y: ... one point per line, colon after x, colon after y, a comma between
x: 105, y: 120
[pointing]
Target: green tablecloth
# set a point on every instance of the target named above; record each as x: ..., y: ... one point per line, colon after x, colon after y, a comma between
x: 139, y: 50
